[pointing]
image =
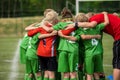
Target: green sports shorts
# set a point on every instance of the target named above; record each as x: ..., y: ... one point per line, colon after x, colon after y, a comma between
x: 67, y: 62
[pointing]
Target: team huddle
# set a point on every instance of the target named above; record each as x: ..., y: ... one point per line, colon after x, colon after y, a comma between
x: 70, y: 46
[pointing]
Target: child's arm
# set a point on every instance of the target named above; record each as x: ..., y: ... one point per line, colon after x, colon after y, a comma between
x: 53, y: 33
x: 48, y: 26
x: 84, y: 37
x: 67, y: 31
x: 48, y: 29
x: 30, y: 27
x: 106, y: 19
x: 72, y: 38
x: 33, y: 32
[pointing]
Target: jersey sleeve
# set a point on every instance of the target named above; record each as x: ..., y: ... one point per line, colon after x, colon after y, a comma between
x: 34, y: 31
x: 68, y: 31
x: 100, y: 26
x: 59, y: 26
x: 78, y: 37
x: 80, y: 31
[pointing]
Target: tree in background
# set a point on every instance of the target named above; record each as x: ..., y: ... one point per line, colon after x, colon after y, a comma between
x: 17, y: 8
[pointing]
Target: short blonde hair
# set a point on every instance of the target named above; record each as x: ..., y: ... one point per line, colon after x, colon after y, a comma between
x: 46, y: 11
x: 89, y: 14
x: 51, y: 16
x: 116, y: 14
x: 80, y: 17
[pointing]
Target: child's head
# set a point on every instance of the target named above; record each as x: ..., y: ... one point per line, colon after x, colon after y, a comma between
x: 51, y: 17
x: 89, y: 15
x: 80, y: 17
x: 116, y: 14
x: 46, y: 11
x: 66, y: 15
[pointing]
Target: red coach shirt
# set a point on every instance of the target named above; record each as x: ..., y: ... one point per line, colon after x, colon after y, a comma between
x: 114, y: 24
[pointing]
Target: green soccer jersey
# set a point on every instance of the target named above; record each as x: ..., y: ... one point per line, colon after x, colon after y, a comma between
x: 68, y: 54
x: 68, y: 45
x: 32, y: 47
x: 92, y: 46
x: 61, y: 25
x: 23, y: 49
x: 24, y: 42
x: 64, y: 43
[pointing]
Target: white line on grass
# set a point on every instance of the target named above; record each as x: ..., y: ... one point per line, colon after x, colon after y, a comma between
x: 14, y: 65
x: 107, y: 65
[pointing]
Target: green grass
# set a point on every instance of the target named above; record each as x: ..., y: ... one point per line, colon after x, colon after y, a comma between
x: 16, y: 26
x: 107, y: 57
x: 7, y: 50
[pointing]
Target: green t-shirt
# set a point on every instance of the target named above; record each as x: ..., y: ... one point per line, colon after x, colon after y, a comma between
x: 24, y: 42
x: 23, y: 49
x: 92, y: 46
x: 68, y: 45
x: 62, y: 42
x: 61, y: 25
x: 32, y: 47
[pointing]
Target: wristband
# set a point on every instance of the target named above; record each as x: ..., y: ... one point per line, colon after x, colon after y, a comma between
x: 76, y: 25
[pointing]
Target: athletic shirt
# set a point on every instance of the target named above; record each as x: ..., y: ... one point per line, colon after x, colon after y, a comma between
x: 32, y: 47
x: 24, y: 42
x: 46, y: 46
x: 114, y: 24
x: 65, y: 44
x: 92, y: 46
x: 23, y: 49
x: 61, y: 25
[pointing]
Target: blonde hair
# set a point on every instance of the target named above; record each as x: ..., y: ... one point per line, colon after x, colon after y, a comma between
x: 80, y: 17
x: 51, y: 17
x: 116, y: 14
x: 46, y: 11
x: 89, y: 14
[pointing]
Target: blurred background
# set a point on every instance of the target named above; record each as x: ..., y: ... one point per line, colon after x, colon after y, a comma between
x: 15, y: 15
x: 16, y: 12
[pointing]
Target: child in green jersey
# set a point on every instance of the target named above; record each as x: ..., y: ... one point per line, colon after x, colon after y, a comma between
x: 84, y: 37
x: 28, y: 56
x: 26, y: 50
x: 93, y: 50
x: 102, y: 74
x: 67, y: 64
x: 75, y: 42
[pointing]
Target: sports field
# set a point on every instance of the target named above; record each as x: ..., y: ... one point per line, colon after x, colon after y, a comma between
x: 10, y: 67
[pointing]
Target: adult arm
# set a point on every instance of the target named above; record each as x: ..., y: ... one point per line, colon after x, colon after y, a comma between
x: 106, y: 19
x: 87, y: 24
x: 83, y: 24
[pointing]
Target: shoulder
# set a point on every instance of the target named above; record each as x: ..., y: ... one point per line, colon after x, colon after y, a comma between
x: 98, y: 18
